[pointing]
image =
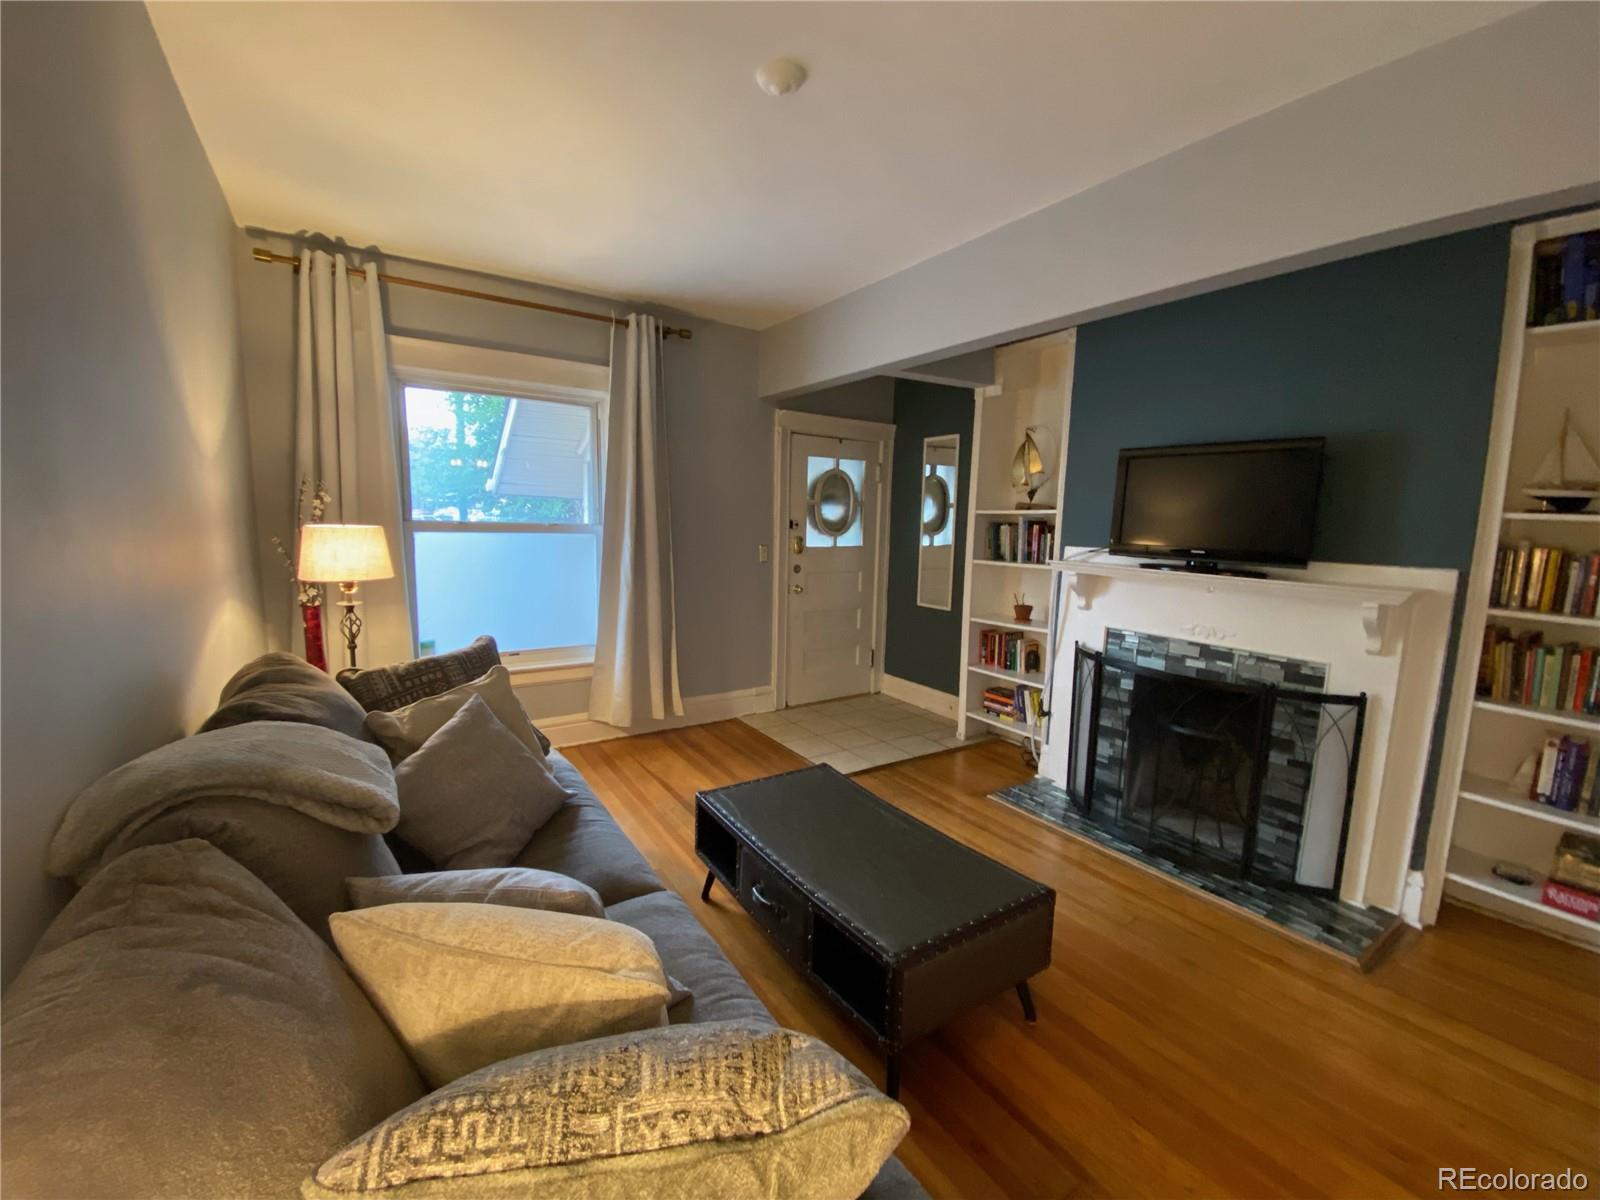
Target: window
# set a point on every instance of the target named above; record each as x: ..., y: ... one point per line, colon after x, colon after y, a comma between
x: 833, y: 491
x: 503, y: 520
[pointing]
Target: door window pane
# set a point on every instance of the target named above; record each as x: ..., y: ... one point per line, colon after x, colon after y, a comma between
x: 529, y: 591
x: 833, y: 501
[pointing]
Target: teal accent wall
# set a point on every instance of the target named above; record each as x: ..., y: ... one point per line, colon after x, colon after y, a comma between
x: 924, y: 644
x: 1391, y: 356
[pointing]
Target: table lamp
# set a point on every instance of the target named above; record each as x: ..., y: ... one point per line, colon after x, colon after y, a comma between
x: 346, y: 555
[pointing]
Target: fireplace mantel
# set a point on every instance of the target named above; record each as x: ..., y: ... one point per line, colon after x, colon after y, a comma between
x: 1382, y: 631
x: 1375, y: 605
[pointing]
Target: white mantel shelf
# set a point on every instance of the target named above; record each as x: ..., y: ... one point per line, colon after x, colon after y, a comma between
x: 1376, y: 604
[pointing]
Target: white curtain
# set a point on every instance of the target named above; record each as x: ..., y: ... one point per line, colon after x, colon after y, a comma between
x: 636, y: 646
x: 344, y: 440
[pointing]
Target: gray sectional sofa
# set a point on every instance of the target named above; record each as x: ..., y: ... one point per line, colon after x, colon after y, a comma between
x: 184, y: 1029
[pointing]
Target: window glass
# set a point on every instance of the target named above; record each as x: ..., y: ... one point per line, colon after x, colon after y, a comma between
x: 478, y: 457
x: 504, y: 518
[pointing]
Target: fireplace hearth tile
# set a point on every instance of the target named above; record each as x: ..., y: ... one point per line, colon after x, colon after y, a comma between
x: 1347, y: 929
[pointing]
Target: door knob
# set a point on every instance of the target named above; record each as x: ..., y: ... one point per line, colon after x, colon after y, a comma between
x: 797, y: 588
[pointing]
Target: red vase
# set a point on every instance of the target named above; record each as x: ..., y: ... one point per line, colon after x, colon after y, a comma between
x: 311, y: 614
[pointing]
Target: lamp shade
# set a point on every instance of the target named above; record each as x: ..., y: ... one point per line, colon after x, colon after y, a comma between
x: 344, y: 553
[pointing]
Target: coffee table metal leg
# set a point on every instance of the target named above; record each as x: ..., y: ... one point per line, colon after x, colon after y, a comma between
x: 1026, y: 997
x: 705, y: 892
x: 891, y: 1081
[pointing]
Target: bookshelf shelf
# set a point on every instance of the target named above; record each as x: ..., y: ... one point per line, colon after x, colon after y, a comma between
x: 996, y: 562
x: 1543, y: 407
x: 1479, y: 790
x: 1554, y: 518
x: 1475, y: 872
x: 1550, y: 716
x: 1016, y: 512
x: 1007, y: 623
x: 1014, y: 728
x: 1567, y: 331
x: 1534, y: 615
x: 1033, y: 680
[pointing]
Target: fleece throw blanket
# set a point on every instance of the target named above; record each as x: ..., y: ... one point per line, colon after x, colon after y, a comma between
x: 323, y: 774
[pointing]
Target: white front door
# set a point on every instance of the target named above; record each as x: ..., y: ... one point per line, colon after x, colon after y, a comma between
x: 830, y: 567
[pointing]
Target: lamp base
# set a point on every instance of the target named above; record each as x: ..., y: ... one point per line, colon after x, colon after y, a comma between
x: 350, y: 622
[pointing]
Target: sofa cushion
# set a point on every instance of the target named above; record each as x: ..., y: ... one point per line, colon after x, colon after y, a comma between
x: 179, y: 1033
x: 717, y: 991
x: 281, y: 687
x: 303, y: 861
x: 404, y: 731
x: 383, y: 689
x: 473, y: 794
x: 466, y: 985
x: 582, y: 840
x: 722, y: 1109
x: 518, y: 887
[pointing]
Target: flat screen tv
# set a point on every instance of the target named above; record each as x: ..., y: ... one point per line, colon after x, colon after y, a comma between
x: 1221, y: 502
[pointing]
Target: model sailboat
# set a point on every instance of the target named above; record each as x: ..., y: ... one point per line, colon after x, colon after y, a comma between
x: 1568, y: 480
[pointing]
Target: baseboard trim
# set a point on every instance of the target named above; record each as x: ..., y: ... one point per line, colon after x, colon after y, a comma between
x: 575, y: 729
x: 943, y: 704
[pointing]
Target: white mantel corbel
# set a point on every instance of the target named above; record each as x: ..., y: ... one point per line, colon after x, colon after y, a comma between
x: 1374, y: 606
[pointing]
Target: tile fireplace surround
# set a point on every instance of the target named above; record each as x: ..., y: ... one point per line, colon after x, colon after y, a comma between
x: 1342, y: 628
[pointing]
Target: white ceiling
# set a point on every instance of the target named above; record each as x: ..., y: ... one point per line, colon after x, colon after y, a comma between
x: 624, y: 148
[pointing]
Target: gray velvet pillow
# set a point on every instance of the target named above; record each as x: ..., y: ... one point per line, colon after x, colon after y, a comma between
x: 473, y: 794
x: 518, y: 887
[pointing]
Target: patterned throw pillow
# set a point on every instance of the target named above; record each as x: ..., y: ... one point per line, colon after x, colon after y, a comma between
x: 725, y: 1108
x: 384, y: 689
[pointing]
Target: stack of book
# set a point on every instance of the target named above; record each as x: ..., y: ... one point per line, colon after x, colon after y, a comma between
x: 1574, y: 883
x: 1564, y: 775
x: 1008, y: 650
x: 1546, y: 579
x: 1521, y: 669
x: 1032, y: 542
x: 1013, y: 703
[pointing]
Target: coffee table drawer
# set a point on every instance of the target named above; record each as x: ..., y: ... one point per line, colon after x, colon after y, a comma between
x: 776, y: 904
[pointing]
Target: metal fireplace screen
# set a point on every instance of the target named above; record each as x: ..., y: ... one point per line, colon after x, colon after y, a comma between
x: 1241, y: 779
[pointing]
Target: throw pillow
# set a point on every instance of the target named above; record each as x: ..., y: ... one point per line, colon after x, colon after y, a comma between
x: 518, y: 887
x: 400, y: 684
x: 466, y: 985
x: 473, y: 795
x: 726, y: 1108
x: 403, y: 731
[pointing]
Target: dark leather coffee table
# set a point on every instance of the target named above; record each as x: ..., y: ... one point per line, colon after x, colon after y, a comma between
x: 898, y: 925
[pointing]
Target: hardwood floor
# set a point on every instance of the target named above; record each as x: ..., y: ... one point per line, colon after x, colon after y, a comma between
x: 1181, y: 1050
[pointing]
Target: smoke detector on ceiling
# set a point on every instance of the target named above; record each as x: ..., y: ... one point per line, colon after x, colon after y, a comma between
x: 780, y: 77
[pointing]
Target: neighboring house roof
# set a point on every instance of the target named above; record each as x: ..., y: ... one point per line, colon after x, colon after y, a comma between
x: 545, y: 450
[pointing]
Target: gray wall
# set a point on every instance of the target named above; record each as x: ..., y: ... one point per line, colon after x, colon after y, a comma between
x: 129, y: 592
x: 924, y: 644
x: 1442, y: 140
x: 719, y: 442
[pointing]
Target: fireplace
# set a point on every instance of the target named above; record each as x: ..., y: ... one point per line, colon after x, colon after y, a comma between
x: 1226, y: 763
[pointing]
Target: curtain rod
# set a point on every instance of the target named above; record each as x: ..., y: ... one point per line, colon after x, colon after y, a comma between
x: 267, y: 256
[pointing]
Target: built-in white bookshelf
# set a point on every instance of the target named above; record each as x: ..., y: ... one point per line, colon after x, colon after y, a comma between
x: 1484, y: 816
x: 1032, y: 391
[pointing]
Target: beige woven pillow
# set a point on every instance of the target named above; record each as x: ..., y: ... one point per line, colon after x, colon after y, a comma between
x: 721, y: 1109
x: 466, y: 985
x: 403, y: 731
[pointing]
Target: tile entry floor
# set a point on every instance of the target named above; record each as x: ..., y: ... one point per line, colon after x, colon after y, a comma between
x: 858, y: 732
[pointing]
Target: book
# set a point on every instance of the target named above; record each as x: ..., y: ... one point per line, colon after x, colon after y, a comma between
x: 1570, y: 900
